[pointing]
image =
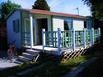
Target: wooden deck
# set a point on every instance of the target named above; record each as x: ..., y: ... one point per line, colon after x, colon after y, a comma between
x: 55, y: 50
x: 46, y: 49
x: 40, y: 47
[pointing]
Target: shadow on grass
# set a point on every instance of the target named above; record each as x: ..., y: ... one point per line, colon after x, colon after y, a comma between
x: 95, y: 51
x: 96, y: 68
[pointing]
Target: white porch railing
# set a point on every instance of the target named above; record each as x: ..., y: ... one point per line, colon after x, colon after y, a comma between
x: 70, y: 39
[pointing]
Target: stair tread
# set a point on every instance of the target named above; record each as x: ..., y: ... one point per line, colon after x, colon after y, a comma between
x: 19, y: 62
x: 27, y: 56
x: 25, y: 53
x: 31, y: 50
x: 33, y: 53
x: 22, y: 57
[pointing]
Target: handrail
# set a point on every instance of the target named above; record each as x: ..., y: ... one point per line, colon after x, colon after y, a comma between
x: 82, y: 38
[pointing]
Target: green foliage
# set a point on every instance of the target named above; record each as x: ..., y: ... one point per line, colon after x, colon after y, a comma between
x: 7, y: 7
x: 41, y: 4
x: 96, y: 7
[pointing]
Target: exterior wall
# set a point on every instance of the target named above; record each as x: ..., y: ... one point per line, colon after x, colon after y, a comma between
x: 78, y: 24
x: 58, y: 22
x: 89, y: 23
x: 11, y: 35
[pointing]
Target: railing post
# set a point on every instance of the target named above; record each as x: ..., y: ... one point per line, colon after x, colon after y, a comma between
x: 43, y: 38
x: 92, y: 31
x: 59, y: 40
x: 91, y: 37
x: 73, y: 40
x: 99, y: 33
x: 84, y: 37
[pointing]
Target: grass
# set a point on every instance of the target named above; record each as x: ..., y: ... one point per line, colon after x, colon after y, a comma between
x: 54, y: 69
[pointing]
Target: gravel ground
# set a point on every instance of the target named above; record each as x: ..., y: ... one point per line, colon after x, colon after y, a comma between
x: 4, y: 62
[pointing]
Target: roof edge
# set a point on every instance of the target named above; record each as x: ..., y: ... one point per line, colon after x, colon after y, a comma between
x: 36, y: 11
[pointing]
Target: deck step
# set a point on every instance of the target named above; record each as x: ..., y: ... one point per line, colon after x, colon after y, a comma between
x: 32, y: 51
x: 25, y: 54
x: 24, y: 59
x: 18, y: 62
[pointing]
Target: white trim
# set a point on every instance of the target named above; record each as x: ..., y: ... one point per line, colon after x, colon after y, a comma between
x: 31, y: 30
x: 43, y: 38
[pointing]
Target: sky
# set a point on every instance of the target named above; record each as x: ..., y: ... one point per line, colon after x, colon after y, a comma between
x: 64, y: 6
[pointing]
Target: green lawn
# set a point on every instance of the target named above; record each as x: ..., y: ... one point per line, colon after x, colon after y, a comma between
x: 54, y: 69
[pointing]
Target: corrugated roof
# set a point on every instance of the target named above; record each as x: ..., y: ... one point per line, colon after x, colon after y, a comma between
x: 36, y: 11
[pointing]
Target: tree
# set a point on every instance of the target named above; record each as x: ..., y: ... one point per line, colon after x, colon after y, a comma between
x: 41, y: 4
x: 96, y: 7
x: 97, y: 12
x: 6, y: 8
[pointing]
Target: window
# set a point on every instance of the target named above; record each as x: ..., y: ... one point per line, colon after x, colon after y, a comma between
x: 85, y: 26
x: 16, y: 25
x: 68, y: 24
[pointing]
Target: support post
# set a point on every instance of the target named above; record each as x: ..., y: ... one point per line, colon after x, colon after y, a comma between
x: 92, y: 38
x: 59, y: 40
x: 99, y: 33
x: 73, y: 40
x: 43, y: 38
x: 84, y: 37
x: 31, y: 30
